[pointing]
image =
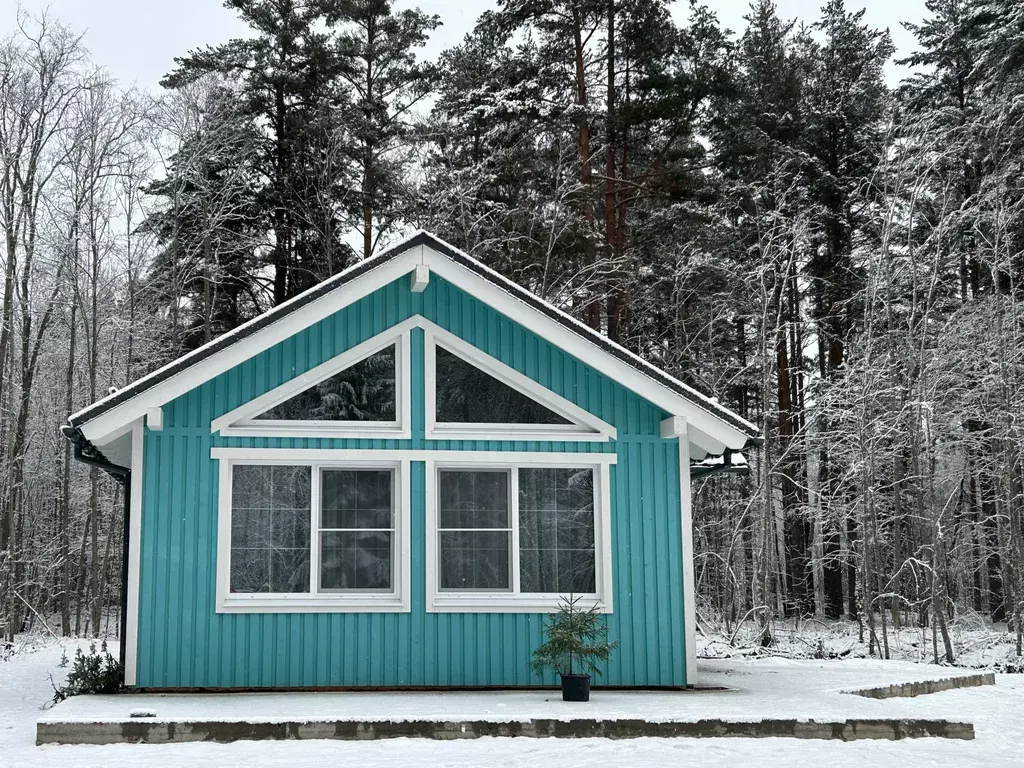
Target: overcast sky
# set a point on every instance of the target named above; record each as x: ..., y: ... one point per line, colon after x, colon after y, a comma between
x: 137, y: 40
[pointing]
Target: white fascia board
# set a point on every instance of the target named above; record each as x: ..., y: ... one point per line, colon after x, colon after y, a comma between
x: 587, y: 352
x: 689, y: 591
x: 131, y: 619
x: 237, y: 353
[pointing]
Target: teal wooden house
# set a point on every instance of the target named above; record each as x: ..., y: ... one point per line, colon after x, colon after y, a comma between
x: 389, y: 480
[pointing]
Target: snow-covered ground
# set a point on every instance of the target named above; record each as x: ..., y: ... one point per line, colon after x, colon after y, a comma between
x: 761, y: 687
x: 977, y: 644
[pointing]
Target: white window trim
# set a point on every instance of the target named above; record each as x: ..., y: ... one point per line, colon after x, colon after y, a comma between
x: 355, y: 455
x: 585, y: 427
x: 242, y: 421
x: 396, y: 601
x: 513, y: 601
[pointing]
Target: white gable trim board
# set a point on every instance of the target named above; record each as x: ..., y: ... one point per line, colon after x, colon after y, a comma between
x: 248, y: 345
x: 709, y: 433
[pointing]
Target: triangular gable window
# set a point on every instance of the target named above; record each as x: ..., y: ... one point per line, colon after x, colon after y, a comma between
x: 366, y: 392
x: 363, y: 392
x: 467, y: 394
x: 473, y: 396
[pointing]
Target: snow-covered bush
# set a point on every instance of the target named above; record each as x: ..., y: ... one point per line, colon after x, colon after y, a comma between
x: 93, y: 672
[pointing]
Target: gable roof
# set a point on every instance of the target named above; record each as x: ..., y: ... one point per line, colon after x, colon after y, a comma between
x: 117, y: 410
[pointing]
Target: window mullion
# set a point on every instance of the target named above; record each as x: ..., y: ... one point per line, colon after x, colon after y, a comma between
x: 314, y: 530
x: 396, y: 491
x: 513, y: 511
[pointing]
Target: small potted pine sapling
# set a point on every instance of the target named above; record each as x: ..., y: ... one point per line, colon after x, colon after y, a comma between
x: 577, y: 639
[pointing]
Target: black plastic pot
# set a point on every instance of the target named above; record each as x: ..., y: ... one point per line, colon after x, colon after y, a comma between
x: 575, y: 687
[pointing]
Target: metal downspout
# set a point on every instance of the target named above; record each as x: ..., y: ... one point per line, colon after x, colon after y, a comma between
x: 87, y: 453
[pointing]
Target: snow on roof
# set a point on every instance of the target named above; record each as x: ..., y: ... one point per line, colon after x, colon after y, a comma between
x: 737, y: 459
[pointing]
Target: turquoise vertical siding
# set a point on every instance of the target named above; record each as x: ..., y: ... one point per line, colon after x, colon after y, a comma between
x: 183, y: 642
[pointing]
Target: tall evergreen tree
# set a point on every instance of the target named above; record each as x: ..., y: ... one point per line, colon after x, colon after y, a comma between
x: 385, y: 82
x: 943, y: 95
x: 204, y: 277
x: 845, y: 111
x: 287, y: 72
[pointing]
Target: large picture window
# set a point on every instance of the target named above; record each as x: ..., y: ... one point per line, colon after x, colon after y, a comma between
x: 312, y: 536
x: 328, y: 529
x: 517, y: 537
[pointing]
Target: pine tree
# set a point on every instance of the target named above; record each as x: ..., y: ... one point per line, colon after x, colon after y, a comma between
x: 377, y: 46
x: 204, y: 277
x: 287, y: 74
x: 577, y: 639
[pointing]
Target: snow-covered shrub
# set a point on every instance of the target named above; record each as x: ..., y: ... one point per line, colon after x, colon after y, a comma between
x: 93, y: 672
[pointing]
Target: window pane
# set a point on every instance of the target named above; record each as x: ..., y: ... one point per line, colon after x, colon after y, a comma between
x: 466, y: 394
x: 556, y: 530
x: 355, y: 560
x: 475, y: 560
x: 270, y: 513
x: 477, y: 499
x: 356, y: 498
x: 364, y: 391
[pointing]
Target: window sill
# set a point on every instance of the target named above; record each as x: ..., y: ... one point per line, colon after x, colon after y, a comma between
x: 317, y: 430
x: 307, y: 604
x: 499, y: 603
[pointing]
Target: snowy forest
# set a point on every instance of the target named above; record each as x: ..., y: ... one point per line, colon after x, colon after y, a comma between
x: 761, y: 212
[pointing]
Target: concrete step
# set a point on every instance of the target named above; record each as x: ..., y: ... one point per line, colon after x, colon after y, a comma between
x: 155, y: 731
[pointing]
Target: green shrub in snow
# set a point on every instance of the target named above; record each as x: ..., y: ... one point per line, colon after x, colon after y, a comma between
x: 93, y: 672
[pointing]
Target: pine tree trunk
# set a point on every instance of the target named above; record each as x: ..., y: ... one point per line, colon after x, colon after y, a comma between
x: 65, y: 496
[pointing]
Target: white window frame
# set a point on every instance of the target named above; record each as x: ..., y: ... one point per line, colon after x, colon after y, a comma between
x: 513, y: 601
x: 242, y: 421
x: 397, y: 600
x: 585, y: 426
